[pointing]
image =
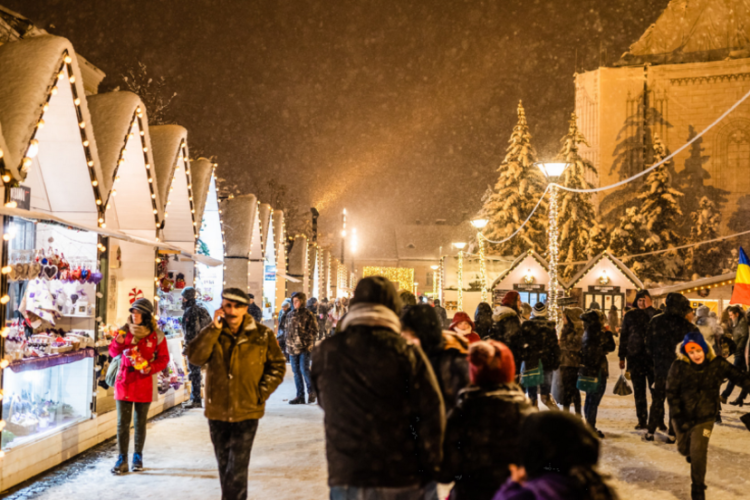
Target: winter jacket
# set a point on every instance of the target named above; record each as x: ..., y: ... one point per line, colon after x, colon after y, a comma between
x: 460, y: 316
x: 633, y: 333
x: 301, y: 331
x: 550, y: 486
x: 506, y: 328
x: 693, y: 390
x: 194, y: 319
x: 256, y: 312
x: 451, y: 367
x: 242, y: 370
x: 539, y: 343
x: 322, y: 317
x: 477, y: 450
x: 712, y: 333
x: 597, y: 342
x: 613, y: 319
x: 571, y: 342
x: 443, y: 315
x: 384, y: 415
x: 483, y: 319
x: 281, y: 332
x: 666, y: 331
x: 131, y: 384
x: 739, y: 335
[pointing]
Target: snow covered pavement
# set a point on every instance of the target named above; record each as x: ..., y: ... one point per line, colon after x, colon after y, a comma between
x: 288, y: 460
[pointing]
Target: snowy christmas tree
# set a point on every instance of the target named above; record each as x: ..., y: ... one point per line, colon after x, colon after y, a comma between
x: 598, y: 240
x: 627, y: 239
x: 576, y: 214
x: 518, y: 189
x: 659, y: 205
x: 705, y: 260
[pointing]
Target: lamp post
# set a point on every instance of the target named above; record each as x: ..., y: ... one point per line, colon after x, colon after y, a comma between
x: 553, y: 171
x: 480, y: 224
x: 460, y: 245
x: 434, y: 281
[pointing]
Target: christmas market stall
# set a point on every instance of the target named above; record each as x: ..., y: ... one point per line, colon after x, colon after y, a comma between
x: 257, y: 261
x: 51, y: 272
x: 528, y: 275
x: 239, y: 215
x: 298, y: 266
x: 715, y: 292
x: 606, y: 281
x: 281, y: 258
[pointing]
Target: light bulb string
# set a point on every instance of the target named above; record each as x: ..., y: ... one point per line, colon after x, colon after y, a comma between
x: 629, y: 179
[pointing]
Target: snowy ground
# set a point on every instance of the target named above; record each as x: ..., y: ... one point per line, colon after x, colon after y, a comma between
x: 288, y: 459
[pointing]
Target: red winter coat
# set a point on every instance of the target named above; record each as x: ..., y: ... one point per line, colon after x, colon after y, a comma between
x: 131, y: 384
x: 462, y: 316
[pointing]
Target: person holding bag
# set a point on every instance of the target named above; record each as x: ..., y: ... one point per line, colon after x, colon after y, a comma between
x: 592, y: 377
x: 143, y: 354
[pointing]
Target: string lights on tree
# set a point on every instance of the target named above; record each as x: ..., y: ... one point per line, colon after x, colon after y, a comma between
x: 480, y: 224
x: 460, y: 245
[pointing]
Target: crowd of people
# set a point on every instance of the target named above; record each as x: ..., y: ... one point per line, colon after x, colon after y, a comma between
x: 412, y: 399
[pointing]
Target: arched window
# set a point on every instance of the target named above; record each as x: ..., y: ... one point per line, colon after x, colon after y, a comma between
x: 730, y: 163
x: 738, y: 159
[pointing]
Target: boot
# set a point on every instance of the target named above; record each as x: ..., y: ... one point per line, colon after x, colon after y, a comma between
x: 137, y: 462
x: 549, y: 402
x: 311, y: 398
x: 737, y: 402
x: 192, y: 404
x: 662, y: 426
x: 698, y: 492
x: 299, y: 400
x: 535, y: 403
x: 641, y: 426
x: 121, y: 467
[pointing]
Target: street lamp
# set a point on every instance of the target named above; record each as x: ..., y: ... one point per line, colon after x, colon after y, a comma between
x: 460, y: 245
x: 553, y: 171
x: 480, y: 224
x: 434, y: 281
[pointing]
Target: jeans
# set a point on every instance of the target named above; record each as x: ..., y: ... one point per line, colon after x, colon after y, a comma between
x: 658, y: 395
x: 124, y: 417
x: 591, y: 405
x: 428, y: 492
x: 545, y: 386
x: 194, y: 372
x: 301, y: 367
x: 233, y: 442
x: 642, y: 376
x: 694, y: 444
x: 739, y: 362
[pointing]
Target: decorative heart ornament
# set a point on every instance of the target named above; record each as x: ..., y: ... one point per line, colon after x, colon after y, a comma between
x: 49, y: 272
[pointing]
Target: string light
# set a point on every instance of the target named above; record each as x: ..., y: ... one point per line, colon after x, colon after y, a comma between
x: 403, y: 275
x: 552, y: 235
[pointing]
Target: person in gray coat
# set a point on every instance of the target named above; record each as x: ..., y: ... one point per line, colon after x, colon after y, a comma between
x: 739, y: 335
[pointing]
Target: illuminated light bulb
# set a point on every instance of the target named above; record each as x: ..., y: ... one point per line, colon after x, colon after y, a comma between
x: 4, y: 300
x: 138, y: 109
x: 156, y: 280
x: 91, y: 163
x: 150, y: 179
x: 26, y: 163
x: 157, y: 260
x: 130, y: 135
x: 114, y: 192
x: 82, y: 124
x: 171, y: 188
x: 77, y: 101
x: 6, y: 178
x: 157, y: 225
x: 40, y: 124
x: 85, y: 144
x: 117, y: 178
x: 195, y: 223
x: 4, y: 364
x: 192, y: 211
x: 54, y: 90
x: 6, y: 270
x: 121, y: 161
x: 45, y: 107
x: 104, y: 225
x: 153, y: 196
x: 33, y: 149
x: 101, y: 220
x: 166, y: 215
x: 12, y: 204
x: 157, y: 239
x: 191, y: 198
x: 142, y: 133
x: 68, y: 59
x: 155, y: 212
x: 94, y: 183
x: 169, y: 202
x: 108, y: 205
x: 72, y: 79
x: 148, y: 165
x: 5, y: 332
x: 145, y: 150
x: 157, y: 297
x: 60, y: 75
x: 98, y: 202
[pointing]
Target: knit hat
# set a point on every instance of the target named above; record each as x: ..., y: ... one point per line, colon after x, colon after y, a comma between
x: 250, y: 296
x: 639, y: 295
x: 459, y: 317
x: 189, y: 293
x: 694, y: 338
x: 236, y: 295
x: 678, y: 304
x: 540, y: 310
x: 702, y: 311
x: 491, y: 362
x: 142, y: 306
x: 556, y: 441
x: 511, y: 299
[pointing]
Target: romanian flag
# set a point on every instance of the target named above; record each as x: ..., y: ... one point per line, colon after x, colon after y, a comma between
x: 741, y: 291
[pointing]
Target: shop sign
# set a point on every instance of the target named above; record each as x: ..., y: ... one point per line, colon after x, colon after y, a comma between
x: 22, y: 196
x: 604, y: 289
x: 528, y: 287
x: 270, y: 274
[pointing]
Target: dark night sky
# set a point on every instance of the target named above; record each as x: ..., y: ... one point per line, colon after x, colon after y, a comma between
x: 395, y: 109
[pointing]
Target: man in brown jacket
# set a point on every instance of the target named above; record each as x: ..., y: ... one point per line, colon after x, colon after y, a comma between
x: 244, y: 365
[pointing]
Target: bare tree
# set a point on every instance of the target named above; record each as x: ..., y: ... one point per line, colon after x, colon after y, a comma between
x: 153, y: 92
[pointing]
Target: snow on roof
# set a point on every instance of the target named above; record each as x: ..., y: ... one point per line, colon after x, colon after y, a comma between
x: 112, y: 117
x: 722, y: 279
x: 166, y: 140
x: 265, y: 219
x: 298, y: 257
x: 278, y: 225
x: 28, y: 70
x: 531, y: 254
x: 618, y: 263
x: 200, y: 175
x: 238, y: 215
x: 696, y: 26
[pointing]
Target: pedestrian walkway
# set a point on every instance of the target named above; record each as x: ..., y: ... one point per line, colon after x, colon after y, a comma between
x: 288, y: 460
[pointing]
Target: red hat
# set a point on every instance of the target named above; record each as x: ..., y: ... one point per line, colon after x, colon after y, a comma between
x: 491, y: 362
x: 459, y: 317
x: 511, y: 299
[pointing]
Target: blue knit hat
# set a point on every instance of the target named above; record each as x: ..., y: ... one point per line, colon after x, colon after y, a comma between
x: 697, y: 338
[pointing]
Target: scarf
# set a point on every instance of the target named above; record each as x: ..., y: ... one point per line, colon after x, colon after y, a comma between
x: 139, y: 331
x: 368, y: 314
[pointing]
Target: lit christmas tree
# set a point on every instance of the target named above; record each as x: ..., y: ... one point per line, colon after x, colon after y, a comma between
x: 576, y: 215
x: 518, y: 189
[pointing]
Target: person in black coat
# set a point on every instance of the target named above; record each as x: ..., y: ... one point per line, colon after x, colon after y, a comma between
x: 447, y: 351
x: 253, y: 309
x: 693, y: 384
x: 665, y: 332
x: 539, y: 343
x: 633, y: 333
x: 483, y: 319
x: 571, y: 339
x: 597, y: 343
x: 476, y: 450
x: 384, y: 414
x: 506, y: 325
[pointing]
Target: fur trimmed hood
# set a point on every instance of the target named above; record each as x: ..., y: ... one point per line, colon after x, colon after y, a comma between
x: 502, y: 312
x: 710, y: 355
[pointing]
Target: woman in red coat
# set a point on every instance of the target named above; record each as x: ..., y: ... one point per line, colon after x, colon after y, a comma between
x: 143, y: 352
x: 464, y: 326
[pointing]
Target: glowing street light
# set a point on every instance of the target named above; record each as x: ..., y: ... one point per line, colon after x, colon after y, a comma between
x: 553, y: 171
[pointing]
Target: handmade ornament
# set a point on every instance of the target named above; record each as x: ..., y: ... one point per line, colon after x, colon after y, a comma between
x: 180, y: 281
x: 135, y: 294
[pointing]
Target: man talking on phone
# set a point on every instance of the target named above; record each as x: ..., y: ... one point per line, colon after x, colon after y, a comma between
x: 244, y: 366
